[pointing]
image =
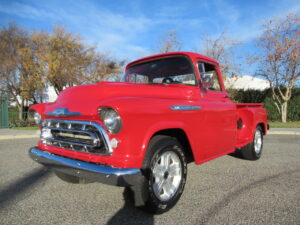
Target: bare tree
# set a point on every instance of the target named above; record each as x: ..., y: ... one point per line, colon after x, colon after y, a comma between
x: 169, y: 42
x: 279, y: 57
x: 221, y: 48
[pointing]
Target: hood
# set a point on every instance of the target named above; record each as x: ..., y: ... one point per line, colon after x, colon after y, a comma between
x: 87, y: 98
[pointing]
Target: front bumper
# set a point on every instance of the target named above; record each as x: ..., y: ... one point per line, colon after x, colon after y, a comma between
x: 89, y: 172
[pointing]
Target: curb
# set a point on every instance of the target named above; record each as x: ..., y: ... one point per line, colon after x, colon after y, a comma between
x: 10, y: 137
x: 284, y: 132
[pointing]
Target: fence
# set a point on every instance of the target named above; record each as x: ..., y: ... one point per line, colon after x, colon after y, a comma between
x: 3, y: 111
x: 23, y: 120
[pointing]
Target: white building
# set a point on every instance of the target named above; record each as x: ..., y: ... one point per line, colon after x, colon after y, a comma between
x: 49, y: 94
x: 246, y: 82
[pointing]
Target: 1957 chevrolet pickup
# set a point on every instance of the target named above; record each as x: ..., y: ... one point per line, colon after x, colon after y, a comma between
x: 171, y: 109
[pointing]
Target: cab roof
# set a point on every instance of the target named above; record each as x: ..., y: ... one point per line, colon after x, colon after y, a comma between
x: 192, y: 55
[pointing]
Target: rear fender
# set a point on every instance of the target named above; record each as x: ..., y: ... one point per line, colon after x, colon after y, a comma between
x: 245, y: 131
x: 249, y: 119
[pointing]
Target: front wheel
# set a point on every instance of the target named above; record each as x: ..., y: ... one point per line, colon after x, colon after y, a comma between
x: 165, y: 170
x: 253, y: 150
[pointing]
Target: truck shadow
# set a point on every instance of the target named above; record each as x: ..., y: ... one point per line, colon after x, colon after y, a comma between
x: 130, y: 214
x: 19, y: 187
x: 237, y: 154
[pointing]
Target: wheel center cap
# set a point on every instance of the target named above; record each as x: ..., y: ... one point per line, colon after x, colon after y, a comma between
x: 166, y: 174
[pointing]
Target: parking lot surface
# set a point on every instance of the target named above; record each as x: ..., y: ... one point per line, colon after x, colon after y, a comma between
x: 227, y: 190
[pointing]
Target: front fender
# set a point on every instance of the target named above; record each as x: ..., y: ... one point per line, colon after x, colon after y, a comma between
x: 40, y: 108
x: 144, y: 117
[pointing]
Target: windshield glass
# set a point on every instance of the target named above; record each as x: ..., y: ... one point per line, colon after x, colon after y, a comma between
x: 174, y: 70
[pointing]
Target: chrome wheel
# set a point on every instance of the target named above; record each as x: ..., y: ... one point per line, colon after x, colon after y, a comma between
x: 257, y: 141
x: 167, y: 175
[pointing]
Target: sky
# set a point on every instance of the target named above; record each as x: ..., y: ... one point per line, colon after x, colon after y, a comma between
x: 133, y: 29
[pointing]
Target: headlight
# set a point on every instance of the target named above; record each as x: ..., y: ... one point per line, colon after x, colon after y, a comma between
x: 37, y: 118
x: 111, y: 119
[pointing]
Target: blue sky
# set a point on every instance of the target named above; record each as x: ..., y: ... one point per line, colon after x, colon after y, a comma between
x: 132, y: 29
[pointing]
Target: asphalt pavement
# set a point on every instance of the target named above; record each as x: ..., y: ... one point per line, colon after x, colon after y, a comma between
x: 227, y: 190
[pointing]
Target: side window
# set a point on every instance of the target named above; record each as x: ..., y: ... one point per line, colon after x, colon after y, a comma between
x: 209, y: 76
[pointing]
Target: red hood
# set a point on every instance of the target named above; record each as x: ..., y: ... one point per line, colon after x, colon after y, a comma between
x: 87, y: 98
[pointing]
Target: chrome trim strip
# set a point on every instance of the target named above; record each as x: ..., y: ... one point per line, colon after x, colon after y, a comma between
x: 92, y: 172
x: 185, y: 107
x: 98, y: 126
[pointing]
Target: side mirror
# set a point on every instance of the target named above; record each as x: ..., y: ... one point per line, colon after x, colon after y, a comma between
x: 207, y: 80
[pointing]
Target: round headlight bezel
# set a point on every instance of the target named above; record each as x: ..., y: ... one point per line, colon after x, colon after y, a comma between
x: 111, y: 119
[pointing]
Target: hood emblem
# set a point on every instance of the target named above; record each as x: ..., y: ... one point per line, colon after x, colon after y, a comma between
x: 62, y: 112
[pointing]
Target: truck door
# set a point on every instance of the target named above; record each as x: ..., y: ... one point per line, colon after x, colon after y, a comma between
x: 219, y: 132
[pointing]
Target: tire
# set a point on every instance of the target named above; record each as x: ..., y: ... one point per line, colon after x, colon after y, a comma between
x: 165, y: 171
x: 67, y: 178
x: 253, y: 150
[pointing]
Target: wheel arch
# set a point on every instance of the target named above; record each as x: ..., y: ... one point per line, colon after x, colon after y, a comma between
x: 182, y: 138
x: 262, y: 126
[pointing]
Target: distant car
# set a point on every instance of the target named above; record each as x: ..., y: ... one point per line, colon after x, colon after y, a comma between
x: 171, y: 109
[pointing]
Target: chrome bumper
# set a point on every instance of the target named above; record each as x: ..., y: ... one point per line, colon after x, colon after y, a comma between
x: 89, y: 172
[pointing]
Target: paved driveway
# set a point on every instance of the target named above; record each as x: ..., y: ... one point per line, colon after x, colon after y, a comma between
x: 227, y: 190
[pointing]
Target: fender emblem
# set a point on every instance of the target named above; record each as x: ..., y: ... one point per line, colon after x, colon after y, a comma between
x: 62, y: 112
x: 185, y: 107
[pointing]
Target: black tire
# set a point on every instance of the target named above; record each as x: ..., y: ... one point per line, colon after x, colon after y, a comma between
x: 251, y: 151
x: 67, y: 178
x: 163, y: 146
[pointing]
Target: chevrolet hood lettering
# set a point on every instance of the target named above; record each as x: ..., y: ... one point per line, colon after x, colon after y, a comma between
x: 62, y: 112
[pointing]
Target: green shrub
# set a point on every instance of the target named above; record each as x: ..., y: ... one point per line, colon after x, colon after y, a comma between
x: 294, y: 108
x: 15, y: 121
x: 248, y: 96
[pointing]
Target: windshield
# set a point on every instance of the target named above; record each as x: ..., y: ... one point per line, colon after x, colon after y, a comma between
x: 174, y: 70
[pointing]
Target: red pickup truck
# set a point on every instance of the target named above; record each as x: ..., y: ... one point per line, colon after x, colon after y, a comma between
x: 171, y: 109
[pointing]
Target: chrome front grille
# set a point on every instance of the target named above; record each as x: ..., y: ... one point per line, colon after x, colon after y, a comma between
x: 82, y: 136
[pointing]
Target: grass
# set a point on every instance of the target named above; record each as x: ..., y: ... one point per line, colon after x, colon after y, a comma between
x: 294, y: 124
x: 24, y: 128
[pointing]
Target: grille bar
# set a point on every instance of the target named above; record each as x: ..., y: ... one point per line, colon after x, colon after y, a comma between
x: 75, y: 131
x: 80, y: 136
x: 68, y: 142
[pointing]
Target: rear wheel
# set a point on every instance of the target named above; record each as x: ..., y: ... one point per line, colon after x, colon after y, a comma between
x: 165, y: 170
x: 253, y: 150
